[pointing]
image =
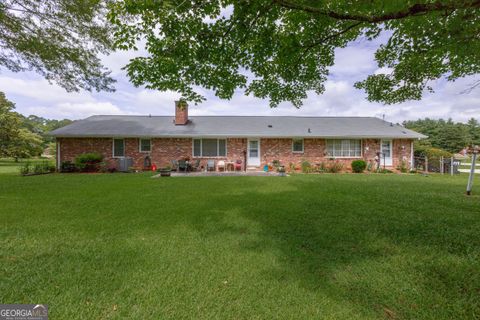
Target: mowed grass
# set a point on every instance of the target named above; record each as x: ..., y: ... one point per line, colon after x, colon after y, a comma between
x: 347, y: 246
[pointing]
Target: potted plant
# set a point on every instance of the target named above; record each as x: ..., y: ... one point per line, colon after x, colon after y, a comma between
x: 281, y: 170
x: 165, y: 171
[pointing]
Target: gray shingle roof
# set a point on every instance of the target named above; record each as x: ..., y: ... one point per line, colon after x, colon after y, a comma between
x: 235, y: 126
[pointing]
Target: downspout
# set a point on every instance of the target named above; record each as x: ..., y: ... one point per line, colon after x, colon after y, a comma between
x: 58, y: 154
x: 412, y: 159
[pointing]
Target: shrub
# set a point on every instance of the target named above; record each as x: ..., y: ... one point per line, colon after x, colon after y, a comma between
x: 403, y: 167
x: 67, y: 166
x: 38, y: 168
x: 306, y: 167
x: 431, y: 152
x: 88, y: 161
x: 26, y: 168
x: 322, y: 167
x: 358, y: 166
x: 292, y: 168
x: 384, y: 171
x: 103, y: 167
x: 335, y: 167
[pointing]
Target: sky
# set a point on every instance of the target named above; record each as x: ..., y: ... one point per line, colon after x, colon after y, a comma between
x: 34, y: 95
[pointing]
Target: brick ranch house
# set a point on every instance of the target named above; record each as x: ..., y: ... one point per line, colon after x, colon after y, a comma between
x: 254, y: 140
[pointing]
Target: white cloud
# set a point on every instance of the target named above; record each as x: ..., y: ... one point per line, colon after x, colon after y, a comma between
x: 75, y: 110
x: 39, y: 89
x: 353, y: 62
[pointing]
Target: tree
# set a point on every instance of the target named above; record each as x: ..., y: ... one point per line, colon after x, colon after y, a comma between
x: 281, y: 49
x: 43, y: 126
x: 446, y: 135
x: 59, y: 39
x: 27, y: 144
x: 453, y: 137
x: 474, y: 130
x: 9, y: 126
x: 15, y: 141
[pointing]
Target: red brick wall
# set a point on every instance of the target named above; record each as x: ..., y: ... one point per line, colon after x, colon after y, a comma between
x: 402, y: 149
x: 281, y: 149
x: 70, y: 148
x: 166, y: 149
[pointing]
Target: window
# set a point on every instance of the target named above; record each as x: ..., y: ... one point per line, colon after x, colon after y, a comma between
x: 346, y: 148
x: 145, y: 145
x: 297, y: 145
x: 118, y: 147
x: 209, y: 147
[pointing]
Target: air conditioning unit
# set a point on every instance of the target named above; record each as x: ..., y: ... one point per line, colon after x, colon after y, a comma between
x: 124, y: 163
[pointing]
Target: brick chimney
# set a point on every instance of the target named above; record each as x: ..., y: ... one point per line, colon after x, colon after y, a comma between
x: 181, y: 113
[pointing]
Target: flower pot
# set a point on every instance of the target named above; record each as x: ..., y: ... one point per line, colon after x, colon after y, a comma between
x: 165, y: 173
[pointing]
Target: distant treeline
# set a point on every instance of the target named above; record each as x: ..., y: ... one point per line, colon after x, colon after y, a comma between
x: 42, y: 126
x: 446, y: 134
x: 24, y: 137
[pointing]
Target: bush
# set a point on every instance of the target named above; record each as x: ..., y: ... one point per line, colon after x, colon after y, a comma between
x: 384, y: 171
x: 322, y: 167
x: 431, y: 153
x: 38, y: 168
x: 403, y: 167
x: 335, y: 167
x: 67, y: 166
x: 292, y: 168
x: 26, y: 168
x: 88, y: 161
x: 358, y: 166
x: 306, y: 167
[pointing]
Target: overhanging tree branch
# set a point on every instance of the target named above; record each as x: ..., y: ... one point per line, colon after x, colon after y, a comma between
x: 414, y: 10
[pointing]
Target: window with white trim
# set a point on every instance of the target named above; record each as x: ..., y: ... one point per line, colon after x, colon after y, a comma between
x: 209, y: 147
x: 297, y: 145
x: 344, y: 148
x: 119, y: 147
x: 145, y: 145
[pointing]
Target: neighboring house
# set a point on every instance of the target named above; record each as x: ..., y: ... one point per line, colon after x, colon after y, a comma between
x: 256, y: 140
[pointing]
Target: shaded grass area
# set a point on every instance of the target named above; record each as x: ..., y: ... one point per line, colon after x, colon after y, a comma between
x: 302, y: 247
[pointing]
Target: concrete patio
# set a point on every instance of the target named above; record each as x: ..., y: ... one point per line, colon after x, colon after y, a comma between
x: 222, y: 174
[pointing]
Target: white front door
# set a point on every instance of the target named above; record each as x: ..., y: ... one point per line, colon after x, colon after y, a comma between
x: 386, y: 153
x: 253, y: 152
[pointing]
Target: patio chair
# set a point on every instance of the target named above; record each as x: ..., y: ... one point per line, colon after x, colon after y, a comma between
x: 174, y: 165
x: 221, y: 165
x: 182, y: 165
x: 210, y: 165
x: 196, y: 165
x: 238, y: 165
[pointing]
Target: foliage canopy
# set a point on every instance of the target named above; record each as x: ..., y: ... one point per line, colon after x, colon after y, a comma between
x: 281, y: 49
x: 59, y: 39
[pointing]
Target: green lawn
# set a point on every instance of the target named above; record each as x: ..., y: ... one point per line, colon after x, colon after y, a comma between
x: 303, y: 247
